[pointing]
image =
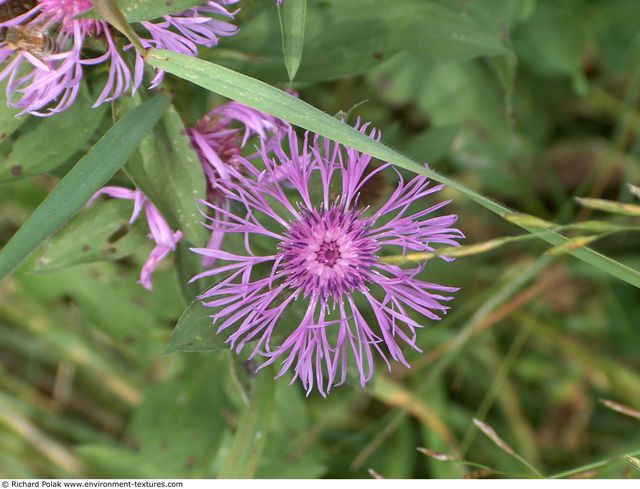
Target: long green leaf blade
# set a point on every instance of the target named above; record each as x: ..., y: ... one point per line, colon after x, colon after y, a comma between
x: 293, y: 17
x: 87, y: 176
x: 264, y: 97
x: 250, y: 438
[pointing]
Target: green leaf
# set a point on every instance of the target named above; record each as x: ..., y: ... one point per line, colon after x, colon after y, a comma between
x: 263, y: 97
x: 554, y: 40
x: 108, y: 460
x: 506, y: 68
x: 178, y: 425
x: 110, y: 11
x: 52, y: 140
x: 168, y: 171
x: 84, y: 179
x: 293, y: 17
x: 188, y: 265
x: 195, y: 331
x: 433, y: 144
x: 347, y: 37
x: 115, y: 305
x: 102, y: 232
x: 139, y: 10
x: 243, y: 459
x: 9, y: 121
x: 463, y: 94
x: 290, y: 426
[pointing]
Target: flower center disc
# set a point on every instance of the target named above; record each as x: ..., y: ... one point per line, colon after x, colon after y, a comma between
x: 327, y: 253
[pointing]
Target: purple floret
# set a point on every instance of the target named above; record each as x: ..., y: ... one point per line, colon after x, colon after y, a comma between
x: 325, y: 258
x: 49, y: 83
x: 217, y: 141
x: 161, y: 234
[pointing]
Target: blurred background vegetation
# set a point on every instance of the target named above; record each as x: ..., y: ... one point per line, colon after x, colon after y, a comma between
x: 530, y: 102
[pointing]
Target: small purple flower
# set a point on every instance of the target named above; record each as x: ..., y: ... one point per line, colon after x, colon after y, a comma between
x: 218, y: 144
x: 49, y: 83
x: 161, y: 233
x: 326, y: 258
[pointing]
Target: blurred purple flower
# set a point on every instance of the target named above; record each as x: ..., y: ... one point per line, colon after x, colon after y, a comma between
x: 48, y: 83
x: 161, y: 233
x: 218, y: 144
x: 326, y: 256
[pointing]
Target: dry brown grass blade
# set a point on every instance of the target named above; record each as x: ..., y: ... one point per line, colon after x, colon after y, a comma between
x: 442, y: 457
x: 490, y: 433
x: 479, y: 474
x: 634, y: 461
x: 374, y: 474
x: 621, y: 408
x: 610, y: 206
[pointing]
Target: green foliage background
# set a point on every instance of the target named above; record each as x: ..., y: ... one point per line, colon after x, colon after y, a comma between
x: 528, y: 102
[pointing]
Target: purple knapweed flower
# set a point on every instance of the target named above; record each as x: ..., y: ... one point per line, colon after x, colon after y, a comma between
x: 161, y: 233
x: 218, y: 143
x: 48, y: 82
x: 326, y: 271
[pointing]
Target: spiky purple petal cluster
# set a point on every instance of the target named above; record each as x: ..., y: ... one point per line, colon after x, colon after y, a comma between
x: 50, y: 83
x: 217, y: 143
x: 161, y: 234
x: 328, y: 253
x: 326, y: 259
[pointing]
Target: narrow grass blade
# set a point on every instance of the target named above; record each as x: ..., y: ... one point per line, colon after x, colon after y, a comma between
x: 87, y: 176
x: 482, y: 470
x: 595, y: 466
x: 454, y: 251
x: 621, y: 408
x: 490, y: 433
x: 493, y: 436
x: 293, y: 17
x: 261, y: 96
x: 528, y: 220
x: 634, y: 461
x: 442, y: 457
x: 610, y: 206
x: 573, y: 244
x: 245, y: 453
